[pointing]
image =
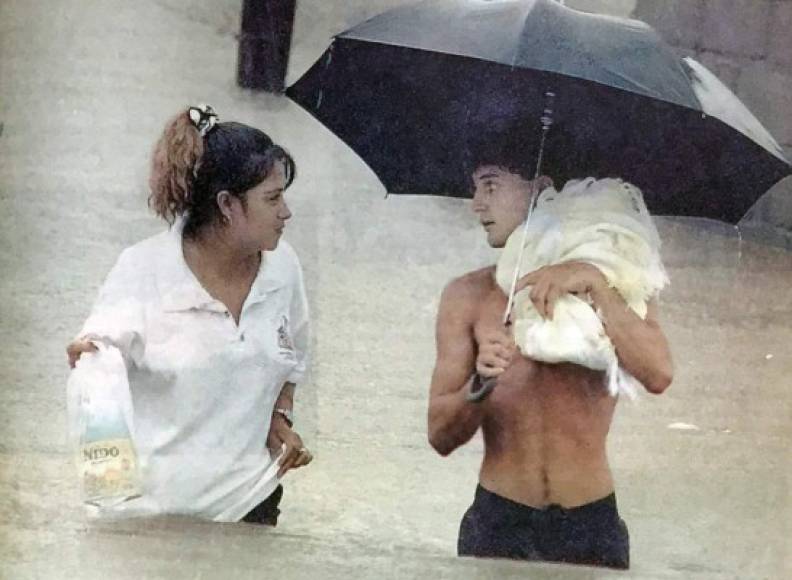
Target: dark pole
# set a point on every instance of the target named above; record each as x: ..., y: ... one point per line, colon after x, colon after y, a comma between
x: 264, y: 43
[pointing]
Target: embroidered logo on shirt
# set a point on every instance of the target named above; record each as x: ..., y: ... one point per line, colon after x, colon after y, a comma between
x: 284, y: 340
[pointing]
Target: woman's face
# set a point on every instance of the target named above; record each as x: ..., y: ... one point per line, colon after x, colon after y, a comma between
x: 261, y: 225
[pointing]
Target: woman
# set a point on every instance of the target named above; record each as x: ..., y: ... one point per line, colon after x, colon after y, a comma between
x: 211, y: 320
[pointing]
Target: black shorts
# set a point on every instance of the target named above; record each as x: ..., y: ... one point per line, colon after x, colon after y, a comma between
x: 592, y: 534
x: 266, y: 512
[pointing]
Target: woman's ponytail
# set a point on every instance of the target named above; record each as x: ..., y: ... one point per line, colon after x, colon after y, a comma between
x: 174, y: 165
x: 197, y: 157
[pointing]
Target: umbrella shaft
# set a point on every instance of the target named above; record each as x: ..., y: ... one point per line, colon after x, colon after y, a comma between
x: 547, y: 121
x: 516, y: 277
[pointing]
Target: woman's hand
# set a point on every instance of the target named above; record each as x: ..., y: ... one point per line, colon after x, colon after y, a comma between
x: 76, y: 348
x: 295, y: 455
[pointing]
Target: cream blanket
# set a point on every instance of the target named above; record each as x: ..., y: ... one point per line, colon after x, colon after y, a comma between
x: 602, y: 222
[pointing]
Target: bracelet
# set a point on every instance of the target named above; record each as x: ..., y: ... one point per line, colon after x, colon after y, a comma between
x: 480, y: 388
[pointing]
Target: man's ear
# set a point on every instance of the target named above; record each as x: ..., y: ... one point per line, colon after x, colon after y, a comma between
x: 543, y: 182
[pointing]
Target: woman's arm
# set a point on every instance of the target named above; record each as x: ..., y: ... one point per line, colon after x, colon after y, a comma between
x: 282, y: 434
x: 285, y: 399
x: 117, y: 316
x: 300, y: 328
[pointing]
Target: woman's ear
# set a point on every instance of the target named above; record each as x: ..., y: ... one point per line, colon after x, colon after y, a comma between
x: 225, y: 203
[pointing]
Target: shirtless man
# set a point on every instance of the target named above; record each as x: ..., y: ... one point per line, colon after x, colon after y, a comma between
x: 545, y: 489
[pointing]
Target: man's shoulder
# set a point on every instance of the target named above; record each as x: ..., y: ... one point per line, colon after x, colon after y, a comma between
x: 470, y: 287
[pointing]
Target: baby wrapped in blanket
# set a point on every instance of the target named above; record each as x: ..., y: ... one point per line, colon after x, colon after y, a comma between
x: 604, y: 223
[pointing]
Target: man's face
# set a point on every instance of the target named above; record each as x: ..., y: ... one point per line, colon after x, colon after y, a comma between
x: 500, y: 199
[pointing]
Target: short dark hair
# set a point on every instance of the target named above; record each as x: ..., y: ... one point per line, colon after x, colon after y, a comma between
x: 514, y: 147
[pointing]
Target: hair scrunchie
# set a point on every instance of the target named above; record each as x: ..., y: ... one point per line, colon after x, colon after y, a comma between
x: 204, y: 118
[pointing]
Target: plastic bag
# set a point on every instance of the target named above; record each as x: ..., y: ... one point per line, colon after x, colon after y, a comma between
x: 101, y: 430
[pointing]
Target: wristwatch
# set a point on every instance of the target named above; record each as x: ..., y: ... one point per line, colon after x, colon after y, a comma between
x: 287, y: 414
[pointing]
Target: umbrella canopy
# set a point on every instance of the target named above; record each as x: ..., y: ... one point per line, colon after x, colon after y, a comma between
x: 411, y: 89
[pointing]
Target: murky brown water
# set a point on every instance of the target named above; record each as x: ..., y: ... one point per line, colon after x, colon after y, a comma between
x: 84, y: 89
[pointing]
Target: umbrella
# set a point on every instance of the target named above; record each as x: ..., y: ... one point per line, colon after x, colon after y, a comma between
x: 411, y: 89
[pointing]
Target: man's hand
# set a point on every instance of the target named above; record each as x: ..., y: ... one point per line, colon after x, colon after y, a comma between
x: 551, y: 282
x: 495, y: 353
x: 294, y: 455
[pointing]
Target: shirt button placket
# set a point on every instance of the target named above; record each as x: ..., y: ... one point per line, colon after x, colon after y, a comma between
x: 239, y: 335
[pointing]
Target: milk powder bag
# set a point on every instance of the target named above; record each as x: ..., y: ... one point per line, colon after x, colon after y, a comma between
x: 101, y: 428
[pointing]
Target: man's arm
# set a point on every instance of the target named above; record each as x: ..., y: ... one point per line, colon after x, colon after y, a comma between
x: 452, y: 419
x: 641, y: 346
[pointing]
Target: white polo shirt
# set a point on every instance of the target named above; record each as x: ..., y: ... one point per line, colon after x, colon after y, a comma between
x: 203, y: 388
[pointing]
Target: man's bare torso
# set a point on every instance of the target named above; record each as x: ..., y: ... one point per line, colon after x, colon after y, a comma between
x: 545, y: 425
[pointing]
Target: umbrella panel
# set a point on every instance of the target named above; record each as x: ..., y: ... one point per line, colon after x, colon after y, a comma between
x: 412, y: 116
